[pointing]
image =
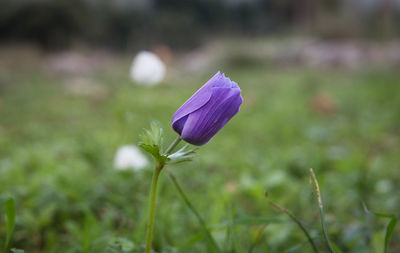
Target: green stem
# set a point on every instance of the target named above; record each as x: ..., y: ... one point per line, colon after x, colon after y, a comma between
x: 328, y: 242
x: 173, y: 145
x: 321, y: 211
x: 153, y: 196
x: 194, y: 211
x: 152, y: 209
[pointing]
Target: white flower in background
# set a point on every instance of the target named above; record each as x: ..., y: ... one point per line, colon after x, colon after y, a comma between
x: 147, y: 69
x: 130, y: 157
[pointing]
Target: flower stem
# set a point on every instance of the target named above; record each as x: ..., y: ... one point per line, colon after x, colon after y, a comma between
x: 153, y: 196
x: 173, y: 145
x: 152, y: 209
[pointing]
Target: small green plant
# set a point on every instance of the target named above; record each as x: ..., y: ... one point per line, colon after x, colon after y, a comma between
x: 196, y: 122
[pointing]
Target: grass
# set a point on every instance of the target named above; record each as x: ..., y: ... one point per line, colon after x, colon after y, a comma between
x: 57, y: 147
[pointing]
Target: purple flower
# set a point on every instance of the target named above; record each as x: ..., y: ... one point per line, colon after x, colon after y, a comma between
x: 208, y: 110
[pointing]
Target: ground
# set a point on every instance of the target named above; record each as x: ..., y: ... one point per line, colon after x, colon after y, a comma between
x: 59, y: 130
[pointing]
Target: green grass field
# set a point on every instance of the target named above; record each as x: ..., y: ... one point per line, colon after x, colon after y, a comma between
x: 57, y: 149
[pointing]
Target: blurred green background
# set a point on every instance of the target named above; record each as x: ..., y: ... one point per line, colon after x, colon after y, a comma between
x: 321, y: 88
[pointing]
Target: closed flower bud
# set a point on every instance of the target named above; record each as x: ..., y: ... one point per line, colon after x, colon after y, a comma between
x: 208, y: 110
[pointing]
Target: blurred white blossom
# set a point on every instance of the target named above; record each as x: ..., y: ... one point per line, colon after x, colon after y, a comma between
x: 130, y: 157
x: 147, y: 69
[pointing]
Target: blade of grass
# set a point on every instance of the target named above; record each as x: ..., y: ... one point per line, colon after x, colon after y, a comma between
x: 295, y: 219
x: 389, y: 228
x: 192, y: 240
x: 10, y: 217
x: 230, y: 236
x: 389, y: 231
x: 259, y: 233
x: 336, y: 248
x: 194, y: 211
x: 321, y: 211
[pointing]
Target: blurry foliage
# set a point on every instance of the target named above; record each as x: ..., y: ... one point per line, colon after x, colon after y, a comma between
x: 55, y: 24
x: 46, y: 22
x: 182, y: 24
x: 56, y: 153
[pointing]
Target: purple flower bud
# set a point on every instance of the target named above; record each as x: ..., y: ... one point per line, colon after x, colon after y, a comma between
x: 208, y: 110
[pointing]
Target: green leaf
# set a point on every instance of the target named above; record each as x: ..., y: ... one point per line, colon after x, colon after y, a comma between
x: 151, y: 141
x: 152, y: 136
x: 10, y: 217
x: 154, y: 150
x: 182, y: 155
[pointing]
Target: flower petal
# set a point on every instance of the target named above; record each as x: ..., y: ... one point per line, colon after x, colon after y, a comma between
x: 179, y: 124
x: 203, y: 124
x: 199, y: 99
